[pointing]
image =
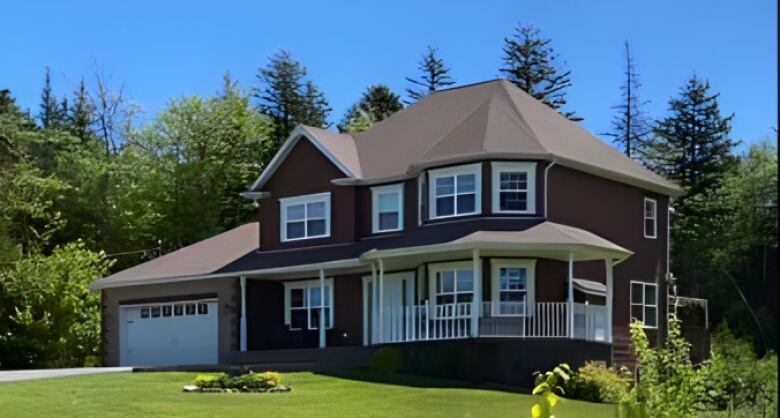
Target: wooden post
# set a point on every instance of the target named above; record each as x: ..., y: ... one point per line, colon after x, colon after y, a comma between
x: 381, y: 304
x: 322, y: 307
x: 477, y: 298
x: 571, y: 295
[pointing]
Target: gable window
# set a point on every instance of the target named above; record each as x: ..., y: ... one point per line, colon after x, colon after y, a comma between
x: 651, y: 218
x: 644, y: 303
x: 512, y: 287
x: 305, y: 217
x: 452, y: 289
x: 455, y: 191
x: 514, y: 187
x: 387, y: 208
x: 303, y: 301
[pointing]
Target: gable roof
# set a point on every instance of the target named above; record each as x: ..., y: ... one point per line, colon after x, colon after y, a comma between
x: 199, y: 259
x: 493, y: 119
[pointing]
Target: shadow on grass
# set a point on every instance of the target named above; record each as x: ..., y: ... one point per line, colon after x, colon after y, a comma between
x: 417, y: 381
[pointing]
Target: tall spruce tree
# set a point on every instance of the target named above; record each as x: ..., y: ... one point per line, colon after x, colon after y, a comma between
x: 377, y: 103
x: 81, y: 114
x: 529, y: 62
x: 50, y: 113
x: 630, y: 126
x: 435, y: 76
x: 288, y: 98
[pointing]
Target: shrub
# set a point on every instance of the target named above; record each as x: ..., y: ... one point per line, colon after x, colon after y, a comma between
x: 210, y: 381
x: 386, y: 360
x: 266, y: 380
x: 595, y: 382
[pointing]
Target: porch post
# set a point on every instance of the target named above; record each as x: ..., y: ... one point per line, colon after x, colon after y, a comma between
x: 242, y: 321
x: 571, y: 295
x: 374, y: 306
x: 476, y: 301
x: 322, y: 308
x: 381, y: 327
x: 608, y: 263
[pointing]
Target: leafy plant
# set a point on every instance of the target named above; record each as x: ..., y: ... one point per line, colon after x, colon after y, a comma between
x: 595, y: 382
x: 265, y: 380
x: 210, y: 381
x: 549, y: 387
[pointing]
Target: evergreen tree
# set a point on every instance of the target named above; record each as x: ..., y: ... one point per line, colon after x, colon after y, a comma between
x: 50, y: 110
x: 288, y: 98
x: 630, y: 127
x: 377, y: 103
x: 435, y: 76
x: 529, y: 62
x: 80, y: 116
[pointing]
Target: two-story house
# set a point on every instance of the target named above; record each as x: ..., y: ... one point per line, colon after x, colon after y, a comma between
x: 478, y: 223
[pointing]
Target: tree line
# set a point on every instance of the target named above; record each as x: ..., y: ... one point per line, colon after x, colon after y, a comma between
x: 87, y: 188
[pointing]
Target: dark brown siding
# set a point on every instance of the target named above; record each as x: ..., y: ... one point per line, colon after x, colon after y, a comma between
x: 305, y: 171
x: 613, y: 211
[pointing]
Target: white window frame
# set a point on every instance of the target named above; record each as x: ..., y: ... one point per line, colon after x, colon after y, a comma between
x: 305, y: 285
x: 475, y: 169
x: 434, y: 269
x: 513, y: 166
x: 631, y: 303
x: 420, y: 193
x: 654, y: 218
x: 286, y: 202
x: 376, y: 191
x: 496, y: 265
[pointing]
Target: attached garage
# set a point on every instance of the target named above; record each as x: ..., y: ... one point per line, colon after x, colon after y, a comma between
x: 181, y: 332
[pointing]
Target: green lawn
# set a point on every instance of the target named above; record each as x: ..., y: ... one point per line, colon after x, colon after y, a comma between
x: 160, y: 394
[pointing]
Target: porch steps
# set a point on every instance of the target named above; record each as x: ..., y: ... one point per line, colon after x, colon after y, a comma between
x: 623, y: 352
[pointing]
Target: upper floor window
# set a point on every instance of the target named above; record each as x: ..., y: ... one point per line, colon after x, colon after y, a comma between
x: 651, y: 218
x: 455, y: 191
x: 305, y: 216
x: 514, y: 187
x: 644, y: 303
x: 387, y: 208
x: 304, y: 301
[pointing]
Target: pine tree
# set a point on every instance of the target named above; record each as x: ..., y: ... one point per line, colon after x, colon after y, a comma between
x: 287, y: 98
x: 50, y: 109
x: 529, y: 62
x: 376, y: 104
x: 631, y: 127
x: 81, y: 114
x: 355, y: 120
x: 435, y: 76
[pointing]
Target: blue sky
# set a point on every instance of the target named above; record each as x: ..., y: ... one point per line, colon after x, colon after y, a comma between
x: 162, y: 50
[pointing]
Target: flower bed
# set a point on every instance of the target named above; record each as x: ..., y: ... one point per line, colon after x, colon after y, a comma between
x: 249, y: 382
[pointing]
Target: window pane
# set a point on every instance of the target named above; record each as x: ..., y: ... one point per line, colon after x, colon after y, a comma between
x: 444, y: 299
x: 649, y: 295
x: 388, y: 202
x: 445, y: 206
x: 650, y: 317
x: 178, y: 310
x: 636, y: 292
x: 512, y: 278
x: 327, y: 318
x: 295, y: 230
x: 636, y: 312
x: 314, y: 318
x: 388, y: 221
x: 298, y: 318
x: 512, y: 296
x: 514, y: 181
x: 190, y: 309
x: 649, y: 209
x: 203, y: 309
x: 316, y: 227
x: 445, y: 186
x: 465, y: 281
x: 446, y: 281
x: 513, y: 200
x: 314, y: 297
x: 297, y: 298
x: 466, y: 203
x: 465, y: 297
x: 155, y: 311
x: 145, y: 312
x: 649, y: 227
x: 166, y: 310
x: 316, y: 210
x: 295, y: 212
x: 466, y: 183
x: 328, y: 292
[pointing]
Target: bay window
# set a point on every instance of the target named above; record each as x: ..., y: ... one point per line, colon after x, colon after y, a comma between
x: 455, y: 191
x: 305, y: 217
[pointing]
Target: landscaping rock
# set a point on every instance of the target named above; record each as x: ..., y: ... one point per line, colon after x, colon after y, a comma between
x: 191, y: 388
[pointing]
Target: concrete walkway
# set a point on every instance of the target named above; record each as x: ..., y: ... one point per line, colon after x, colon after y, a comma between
x: 18, y: 375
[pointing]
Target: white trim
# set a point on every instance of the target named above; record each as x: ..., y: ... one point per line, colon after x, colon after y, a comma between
x: 376, y: 191
x: 547, y: 188
x: 529, y: 168
x: 306, y: 285
x: 299, y: 132
x: 421, y: 183
x: 530, y: 283
x: 305, y: 200
x: 631, y: 303
x: 645, y: 218
x: 475, y: 169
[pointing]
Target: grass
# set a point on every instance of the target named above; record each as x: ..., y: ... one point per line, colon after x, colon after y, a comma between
x: 313, y: 395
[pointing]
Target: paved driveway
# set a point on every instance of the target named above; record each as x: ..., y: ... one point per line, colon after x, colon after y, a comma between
x: 17, y: 375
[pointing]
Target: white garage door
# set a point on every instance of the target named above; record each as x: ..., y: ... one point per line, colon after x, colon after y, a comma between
x: 169, y: 334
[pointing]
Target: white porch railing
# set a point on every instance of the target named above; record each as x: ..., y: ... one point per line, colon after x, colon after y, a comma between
x: 496, y: 319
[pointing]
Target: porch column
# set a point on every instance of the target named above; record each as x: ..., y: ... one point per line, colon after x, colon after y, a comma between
x: 322, y: 308
x: 608, y: 262
x: 381, y: 305
x: 242, y: 321
x: 476, y: 301
x: 571, y: 295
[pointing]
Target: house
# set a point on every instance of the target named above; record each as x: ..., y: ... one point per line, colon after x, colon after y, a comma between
x: 478, y: 230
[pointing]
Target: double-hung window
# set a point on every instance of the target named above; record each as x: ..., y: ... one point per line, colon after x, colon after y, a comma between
x: 387, y: 208
x: 305, y: 217
x: 644, y: 303
x: 651, y: 218
x: 514, y: 187
x: 513, y: 287
x: 304, y: 300
x: 453, y: 289
x: 455, y: 191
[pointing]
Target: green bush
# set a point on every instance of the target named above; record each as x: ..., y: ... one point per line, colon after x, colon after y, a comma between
x: 596, y: 382
x: 386, y: 360
x: 266, y: 380
x: 210, y: 381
